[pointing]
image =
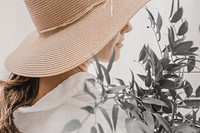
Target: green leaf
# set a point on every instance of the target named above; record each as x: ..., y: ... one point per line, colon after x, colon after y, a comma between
x: 151, y: 18
x: 168, y: 109
x: 71, y: 126
x: 148, y: 79
x: 194, y: 116
x: 133, y: 80
x: 149, y: 119
x: 145, y: 58
x: 142, y: 77
x: 117, y: 89
x: 149, y: 100
x: 178, y: 4
x: 188, y: 116
x: 142, y: 53
x: 172, y: 8
x: 139, y: 90
x: 191, y: 103
x: 178, y: 97
x: 86, y: 89
x: 188, y: 89
x: 135, y: 114
x: 93, y: 130
x: 166, y: 53
x: 132, y: 109
x: 89, y: 109
x: 183, y: 28
x: 104, y: 95
x: 180, y: 115
x: 120, y: 81
x: 167, y: 84
x: 129, y: 105
x: 191, y: 63
x: 159, y: 68
x: 185, y: 53
x: 171, y: 37
x: 173, y: 93
x: 115, y: 112
x: 92, y: 81
x: 177, y: 16
x: 163, y: 122
x: 154, y: 57
x: 157, y: 88
x: 106, y: 73
x: 159, y: 36
x: 147, y: 66
x: 184, y: 46
x: 171, y: 76
x: 152, y: 66
x: 165, y: 62
x: 182, y: 39
x: 111, y: 61
x: 104, y: 112
x: 99, y: 74
x: 100, y: 128
x: 198, y: 92
x: 193, y: 49
x: 159, y: 22
x: 173, y: 67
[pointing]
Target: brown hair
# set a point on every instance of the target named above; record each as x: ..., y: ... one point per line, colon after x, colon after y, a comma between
x: 16, y: 92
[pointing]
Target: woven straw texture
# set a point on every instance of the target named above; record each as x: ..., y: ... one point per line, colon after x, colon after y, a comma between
x: 86, y: 27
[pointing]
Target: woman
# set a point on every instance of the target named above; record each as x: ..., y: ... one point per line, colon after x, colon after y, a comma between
x: 49, y: 68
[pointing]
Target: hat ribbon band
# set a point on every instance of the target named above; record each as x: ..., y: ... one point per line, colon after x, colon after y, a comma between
x: 74, y: 20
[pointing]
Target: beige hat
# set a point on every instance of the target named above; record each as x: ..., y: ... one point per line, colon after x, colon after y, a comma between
x: 69, y: 32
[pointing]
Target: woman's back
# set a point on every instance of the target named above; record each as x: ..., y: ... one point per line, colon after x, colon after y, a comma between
x: 50, y: 114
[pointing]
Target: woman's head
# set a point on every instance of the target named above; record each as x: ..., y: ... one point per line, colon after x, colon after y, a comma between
x: 69, y: 33
x: 115, y: 43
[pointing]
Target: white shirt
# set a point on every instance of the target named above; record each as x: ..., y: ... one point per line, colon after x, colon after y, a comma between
x: 52, y: 112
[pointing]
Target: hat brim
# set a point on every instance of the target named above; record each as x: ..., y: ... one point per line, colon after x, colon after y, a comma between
x: 40, y: 56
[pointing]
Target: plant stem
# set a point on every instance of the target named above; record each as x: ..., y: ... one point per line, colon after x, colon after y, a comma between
x: 157, y: 41
x: 95, y: 109
x: 183, y: 59
x: 175, y: 32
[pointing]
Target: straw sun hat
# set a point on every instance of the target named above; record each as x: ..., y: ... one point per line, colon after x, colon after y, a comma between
x: 69, y: 32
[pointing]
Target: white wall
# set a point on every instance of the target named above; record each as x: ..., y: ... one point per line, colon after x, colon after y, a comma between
x: 15, y: 24
x: 142, y: 35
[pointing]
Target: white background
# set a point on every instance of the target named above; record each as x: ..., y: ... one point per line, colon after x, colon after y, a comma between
x: 15, y: 24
